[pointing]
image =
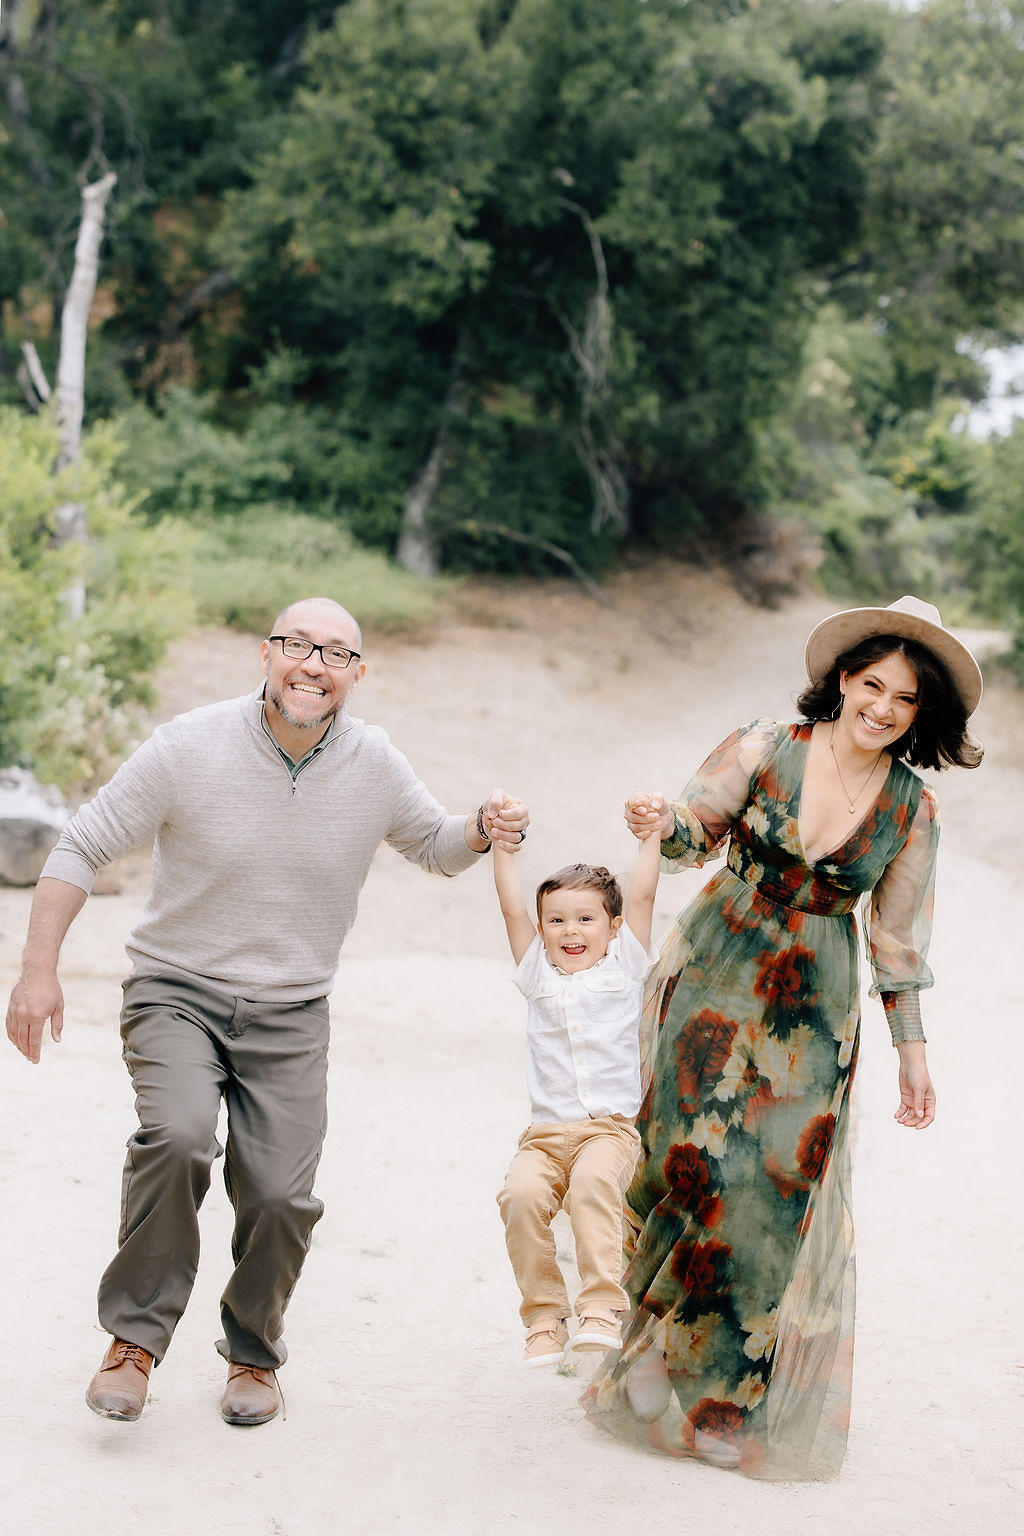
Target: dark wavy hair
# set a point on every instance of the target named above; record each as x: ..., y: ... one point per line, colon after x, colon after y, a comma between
x: 584, y: 877
x: 939, y: 734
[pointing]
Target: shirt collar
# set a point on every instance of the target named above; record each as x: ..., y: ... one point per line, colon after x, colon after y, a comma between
x: 317, y: 747
x: 558, y: 969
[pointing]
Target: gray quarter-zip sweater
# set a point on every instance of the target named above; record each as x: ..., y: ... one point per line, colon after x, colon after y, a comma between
x: 256, y: 874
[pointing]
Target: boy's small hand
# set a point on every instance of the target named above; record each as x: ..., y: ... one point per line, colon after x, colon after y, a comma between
x: 646, y: 814
x: 506, y: 819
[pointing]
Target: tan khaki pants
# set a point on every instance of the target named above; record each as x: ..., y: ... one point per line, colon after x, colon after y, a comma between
x: 586, y: 1166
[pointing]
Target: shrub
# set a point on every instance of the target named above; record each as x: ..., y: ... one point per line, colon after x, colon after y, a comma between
x: 69, y: 690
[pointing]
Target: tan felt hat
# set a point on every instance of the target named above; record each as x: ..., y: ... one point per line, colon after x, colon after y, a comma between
x: 911, y: 619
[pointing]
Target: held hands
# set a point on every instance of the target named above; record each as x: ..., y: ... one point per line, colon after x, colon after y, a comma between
x: 646, y: 814
x: 917, y: 1096
x: 504, y: 820
x: 33, y: 1001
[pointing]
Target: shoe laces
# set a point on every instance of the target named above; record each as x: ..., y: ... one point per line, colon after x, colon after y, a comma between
x: 131, y: 1354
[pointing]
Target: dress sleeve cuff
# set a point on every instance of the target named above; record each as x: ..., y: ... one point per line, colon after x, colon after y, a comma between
x: 674, y: 847
x: 688, y: 844
x: 903, y: 1011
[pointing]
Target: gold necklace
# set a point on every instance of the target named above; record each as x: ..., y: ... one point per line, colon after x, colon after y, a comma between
x: 851, y: 801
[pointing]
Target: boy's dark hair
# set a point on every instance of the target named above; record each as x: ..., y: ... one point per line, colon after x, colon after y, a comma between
x: 584, y: 877
x: 938, y: 736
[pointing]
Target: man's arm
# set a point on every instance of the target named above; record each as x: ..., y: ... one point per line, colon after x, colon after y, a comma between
x: 37, y: 995
x: 639, y: 913
x: 423, y: 832
x: 518, y: 926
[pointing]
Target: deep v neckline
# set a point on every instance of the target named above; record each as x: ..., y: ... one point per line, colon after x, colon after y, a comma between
x: 872, y: 805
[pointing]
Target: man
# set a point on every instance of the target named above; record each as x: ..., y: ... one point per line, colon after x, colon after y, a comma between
x: 267, y: 811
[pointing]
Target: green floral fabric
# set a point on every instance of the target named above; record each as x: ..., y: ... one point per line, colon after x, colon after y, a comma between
x: 740, y: 1272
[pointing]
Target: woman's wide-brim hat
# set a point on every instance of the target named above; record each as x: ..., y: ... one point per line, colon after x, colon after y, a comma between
x: 910, y: 619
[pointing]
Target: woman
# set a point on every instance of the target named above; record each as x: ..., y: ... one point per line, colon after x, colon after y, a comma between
x: 741, y: 1280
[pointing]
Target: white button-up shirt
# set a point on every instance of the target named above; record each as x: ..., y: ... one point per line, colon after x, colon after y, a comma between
x: 582, y: 1032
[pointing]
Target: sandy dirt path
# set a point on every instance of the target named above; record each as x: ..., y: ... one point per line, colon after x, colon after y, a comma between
x: 408, y: 1408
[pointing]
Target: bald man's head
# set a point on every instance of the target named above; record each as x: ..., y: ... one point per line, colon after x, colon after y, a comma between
x: 303, y: 693
x: 319, y: 610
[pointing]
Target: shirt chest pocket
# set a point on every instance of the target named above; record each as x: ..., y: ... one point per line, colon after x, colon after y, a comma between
x: 607, y: 998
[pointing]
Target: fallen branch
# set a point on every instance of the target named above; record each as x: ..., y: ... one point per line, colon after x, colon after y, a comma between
x: 474, y: 526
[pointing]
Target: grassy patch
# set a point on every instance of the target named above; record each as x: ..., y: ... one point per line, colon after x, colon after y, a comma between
x: 245, y: 569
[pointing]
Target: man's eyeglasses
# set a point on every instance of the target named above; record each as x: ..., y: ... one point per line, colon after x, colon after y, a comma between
x: 300, y: 650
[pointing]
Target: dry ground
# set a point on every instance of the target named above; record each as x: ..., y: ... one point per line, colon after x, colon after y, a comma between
x: 408, y: 1410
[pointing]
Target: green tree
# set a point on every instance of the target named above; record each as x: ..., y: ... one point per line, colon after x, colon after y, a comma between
x: 177, y: 99
x: 574, y: 246
x: 1001, y: 565
x: 943, y: 254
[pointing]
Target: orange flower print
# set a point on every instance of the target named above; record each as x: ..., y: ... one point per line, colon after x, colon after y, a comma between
x: 784, y: 977
x: 735, y: 920
x: 715, y: 1417
x: 689, y: 1178
x: 666, y: 997
x: 814, y: 1146
x: 787, y: 1184
x: 703, y: 1269
x: 702, y: 1050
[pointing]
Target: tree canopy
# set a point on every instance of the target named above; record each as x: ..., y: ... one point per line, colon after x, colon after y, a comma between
x: 551, y: 279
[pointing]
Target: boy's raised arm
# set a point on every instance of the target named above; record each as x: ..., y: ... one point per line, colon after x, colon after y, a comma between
x: 518, y: 926
x: 639, y: 913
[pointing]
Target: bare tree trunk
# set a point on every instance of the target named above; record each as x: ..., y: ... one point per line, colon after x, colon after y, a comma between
x: 70, y: 519
x: 591, y: 350
x: 417, y: 548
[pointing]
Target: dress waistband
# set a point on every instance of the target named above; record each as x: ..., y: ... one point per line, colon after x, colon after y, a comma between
x: 822, y: 898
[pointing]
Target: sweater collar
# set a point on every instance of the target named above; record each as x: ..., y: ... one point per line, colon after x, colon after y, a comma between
x: 340, y: 724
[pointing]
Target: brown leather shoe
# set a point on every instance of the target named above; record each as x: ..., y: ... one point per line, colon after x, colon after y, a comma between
x: 119, y: 1388
x: 252, y: 1396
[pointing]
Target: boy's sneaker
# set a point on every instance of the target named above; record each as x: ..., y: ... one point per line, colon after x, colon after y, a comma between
x: 545, y: 1343
x: 598, y: 1333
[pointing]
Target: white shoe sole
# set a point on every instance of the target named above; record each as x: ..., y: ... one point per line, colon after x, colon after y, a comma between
x: 595, y: 1341
x: 544, y: 1360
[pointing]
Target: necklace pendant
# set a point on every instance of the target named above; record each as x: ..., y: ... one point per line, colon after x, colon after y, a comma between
x: 850, y: 809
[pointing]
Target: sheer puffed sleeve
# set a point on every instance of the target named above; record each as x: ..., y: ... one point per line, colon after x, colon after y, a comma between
x: 715, y: 796
x: 900, y: 923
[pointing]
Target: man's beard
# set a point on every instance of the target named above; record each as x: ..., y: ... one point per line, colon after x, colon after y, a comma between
x: 294, y: 720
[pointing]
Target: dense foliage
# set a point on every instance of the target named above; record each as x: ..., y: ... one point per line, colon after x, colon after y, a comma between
x: 536, y: 281
x: 69, y: 690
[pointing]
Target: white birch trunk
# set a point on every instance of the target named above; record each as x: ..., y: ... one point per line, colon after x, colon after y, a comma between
x: 70, y: 518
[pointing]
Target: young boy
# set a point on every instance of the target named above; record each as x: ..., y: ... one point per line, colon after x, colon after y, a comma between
x: 582, y: 972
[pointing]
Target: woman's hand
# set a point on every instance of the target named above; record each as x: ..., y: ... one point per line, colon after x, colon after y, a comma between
x: 917, y: 1096
x: 649, y: 813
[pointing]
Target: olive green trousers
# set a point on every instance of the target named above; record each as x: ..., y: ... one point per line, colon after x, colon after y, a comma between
x: 187, y: 1048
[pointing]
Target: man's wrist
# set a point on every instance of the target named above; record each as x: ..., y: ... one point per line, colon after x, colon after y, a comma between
x: 482, y: 833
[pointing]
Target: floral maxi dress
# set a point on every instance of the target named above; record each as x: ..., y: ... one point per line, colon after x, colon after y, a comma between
x: 739, y: 1347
